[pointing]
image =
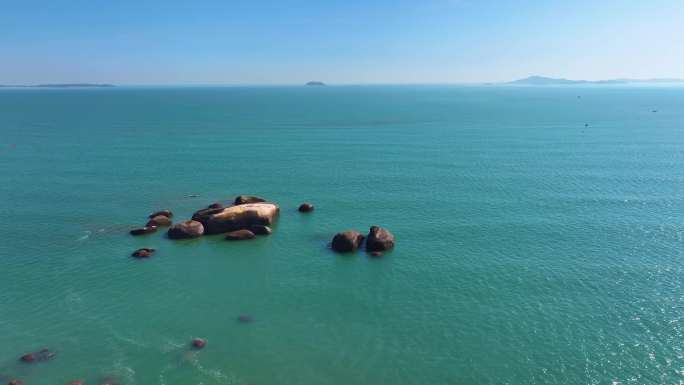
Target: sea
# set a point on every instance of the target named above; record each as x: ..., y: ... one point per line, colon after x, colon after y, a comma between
x: 539, y: 235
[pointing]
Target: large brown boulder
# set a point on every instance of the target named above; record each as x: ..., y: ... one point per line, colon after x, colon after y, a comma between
x: 347, y: 241
x: 159, y: 220
x: 244, y: 199
x: 166, y: 213
x: 186, y: 229
x: 238, y: 217
x: 240, y: 235
x: 379, y: 239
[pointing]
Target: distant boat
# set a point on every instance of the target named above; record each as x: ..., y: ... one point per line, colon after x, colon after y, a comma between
x: 315, y: 83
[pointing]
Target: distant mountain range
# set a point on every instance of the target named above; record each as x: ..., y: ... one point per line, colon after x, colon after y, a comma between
x: 66, y: 85
x: 543, y: 81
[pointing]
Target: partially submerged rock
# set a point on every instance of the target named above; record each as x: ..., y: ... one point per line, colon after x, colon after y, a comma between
x: 379, y: 239
x: 376, y: 254
x: 215, y: 205
x: 159, y: 220
x: 261, y: 230
x: 41, y: 355
x: 238, y: 217
x: 239, y: 235
x: 144, y: 252
x: 245, y: 318
x: 14, y: 381
x: 166, y: 213
x: 144, y: 230
x: 347, y: 241
x: 186, y: 229
x: 78, y: 382
x: 244, y: 199
x: 199, y: 343
x: 306, y: 208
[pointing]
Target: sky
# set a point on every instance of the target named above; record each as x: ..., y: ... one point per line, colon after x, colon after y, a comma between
x: 336, y: 41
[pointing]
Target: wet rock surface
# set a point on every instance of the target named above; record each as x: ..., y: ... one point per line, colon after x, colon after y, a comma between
x: 240, y: 235
x: 186, y: 230
x: 347, y: 241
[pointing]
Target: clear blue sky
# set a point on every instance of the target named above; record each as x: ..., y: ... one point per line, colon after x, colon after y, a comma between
x: 284, y: 42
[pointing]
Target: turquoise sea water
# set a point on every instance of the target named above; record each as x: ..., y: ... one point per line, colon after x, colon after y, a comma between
x: 530, y: 249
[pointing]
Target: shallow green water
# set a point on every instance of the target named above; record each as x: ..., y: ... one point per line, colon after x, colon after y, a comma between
x: 530, y: 249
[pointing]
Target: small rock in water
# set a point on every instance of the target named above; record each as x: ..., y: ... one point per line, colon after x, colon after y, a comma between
x: 28, y: 357
x: 166, y: 213
x: 347, y: 241
x: 159, y: 220
x: 379, y: 239
x: 376, y: 254
x: 144, y: 252
x: 199, y: 343
x: 240, y: 235
x: 261, y: 230
x: 245, y: 318
x: 243, y: 199
x: 144, y: 230
x: 74, y: 383
x: 306, y: 208
x: 15, y: 382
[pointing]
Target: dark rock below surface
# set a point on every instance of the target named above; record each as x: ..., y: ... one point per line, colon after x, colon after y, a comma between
x: 347, y: 241
x: 41, y: 355
x: 199, y: 343
x: 244, y: 199
x: 166, y: 213
x: 185, y: 230
x: 261, y: 230
x: 144, y: 252
x: 306, y: 208
x: 159, y: 220
x: 144, y: 230
x: 240, y: 235
x: 379, y: 239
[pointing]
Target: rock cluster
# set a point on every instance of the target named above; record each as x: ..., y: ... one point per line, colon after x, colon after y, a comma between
x: 378, y: 241
x: 156, y: 219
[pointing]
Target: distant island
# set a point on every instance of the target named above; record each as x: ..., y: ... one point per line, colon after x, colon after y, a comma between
x: 543, y: 81
x: 65, y: 85
x: 315, y: 83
